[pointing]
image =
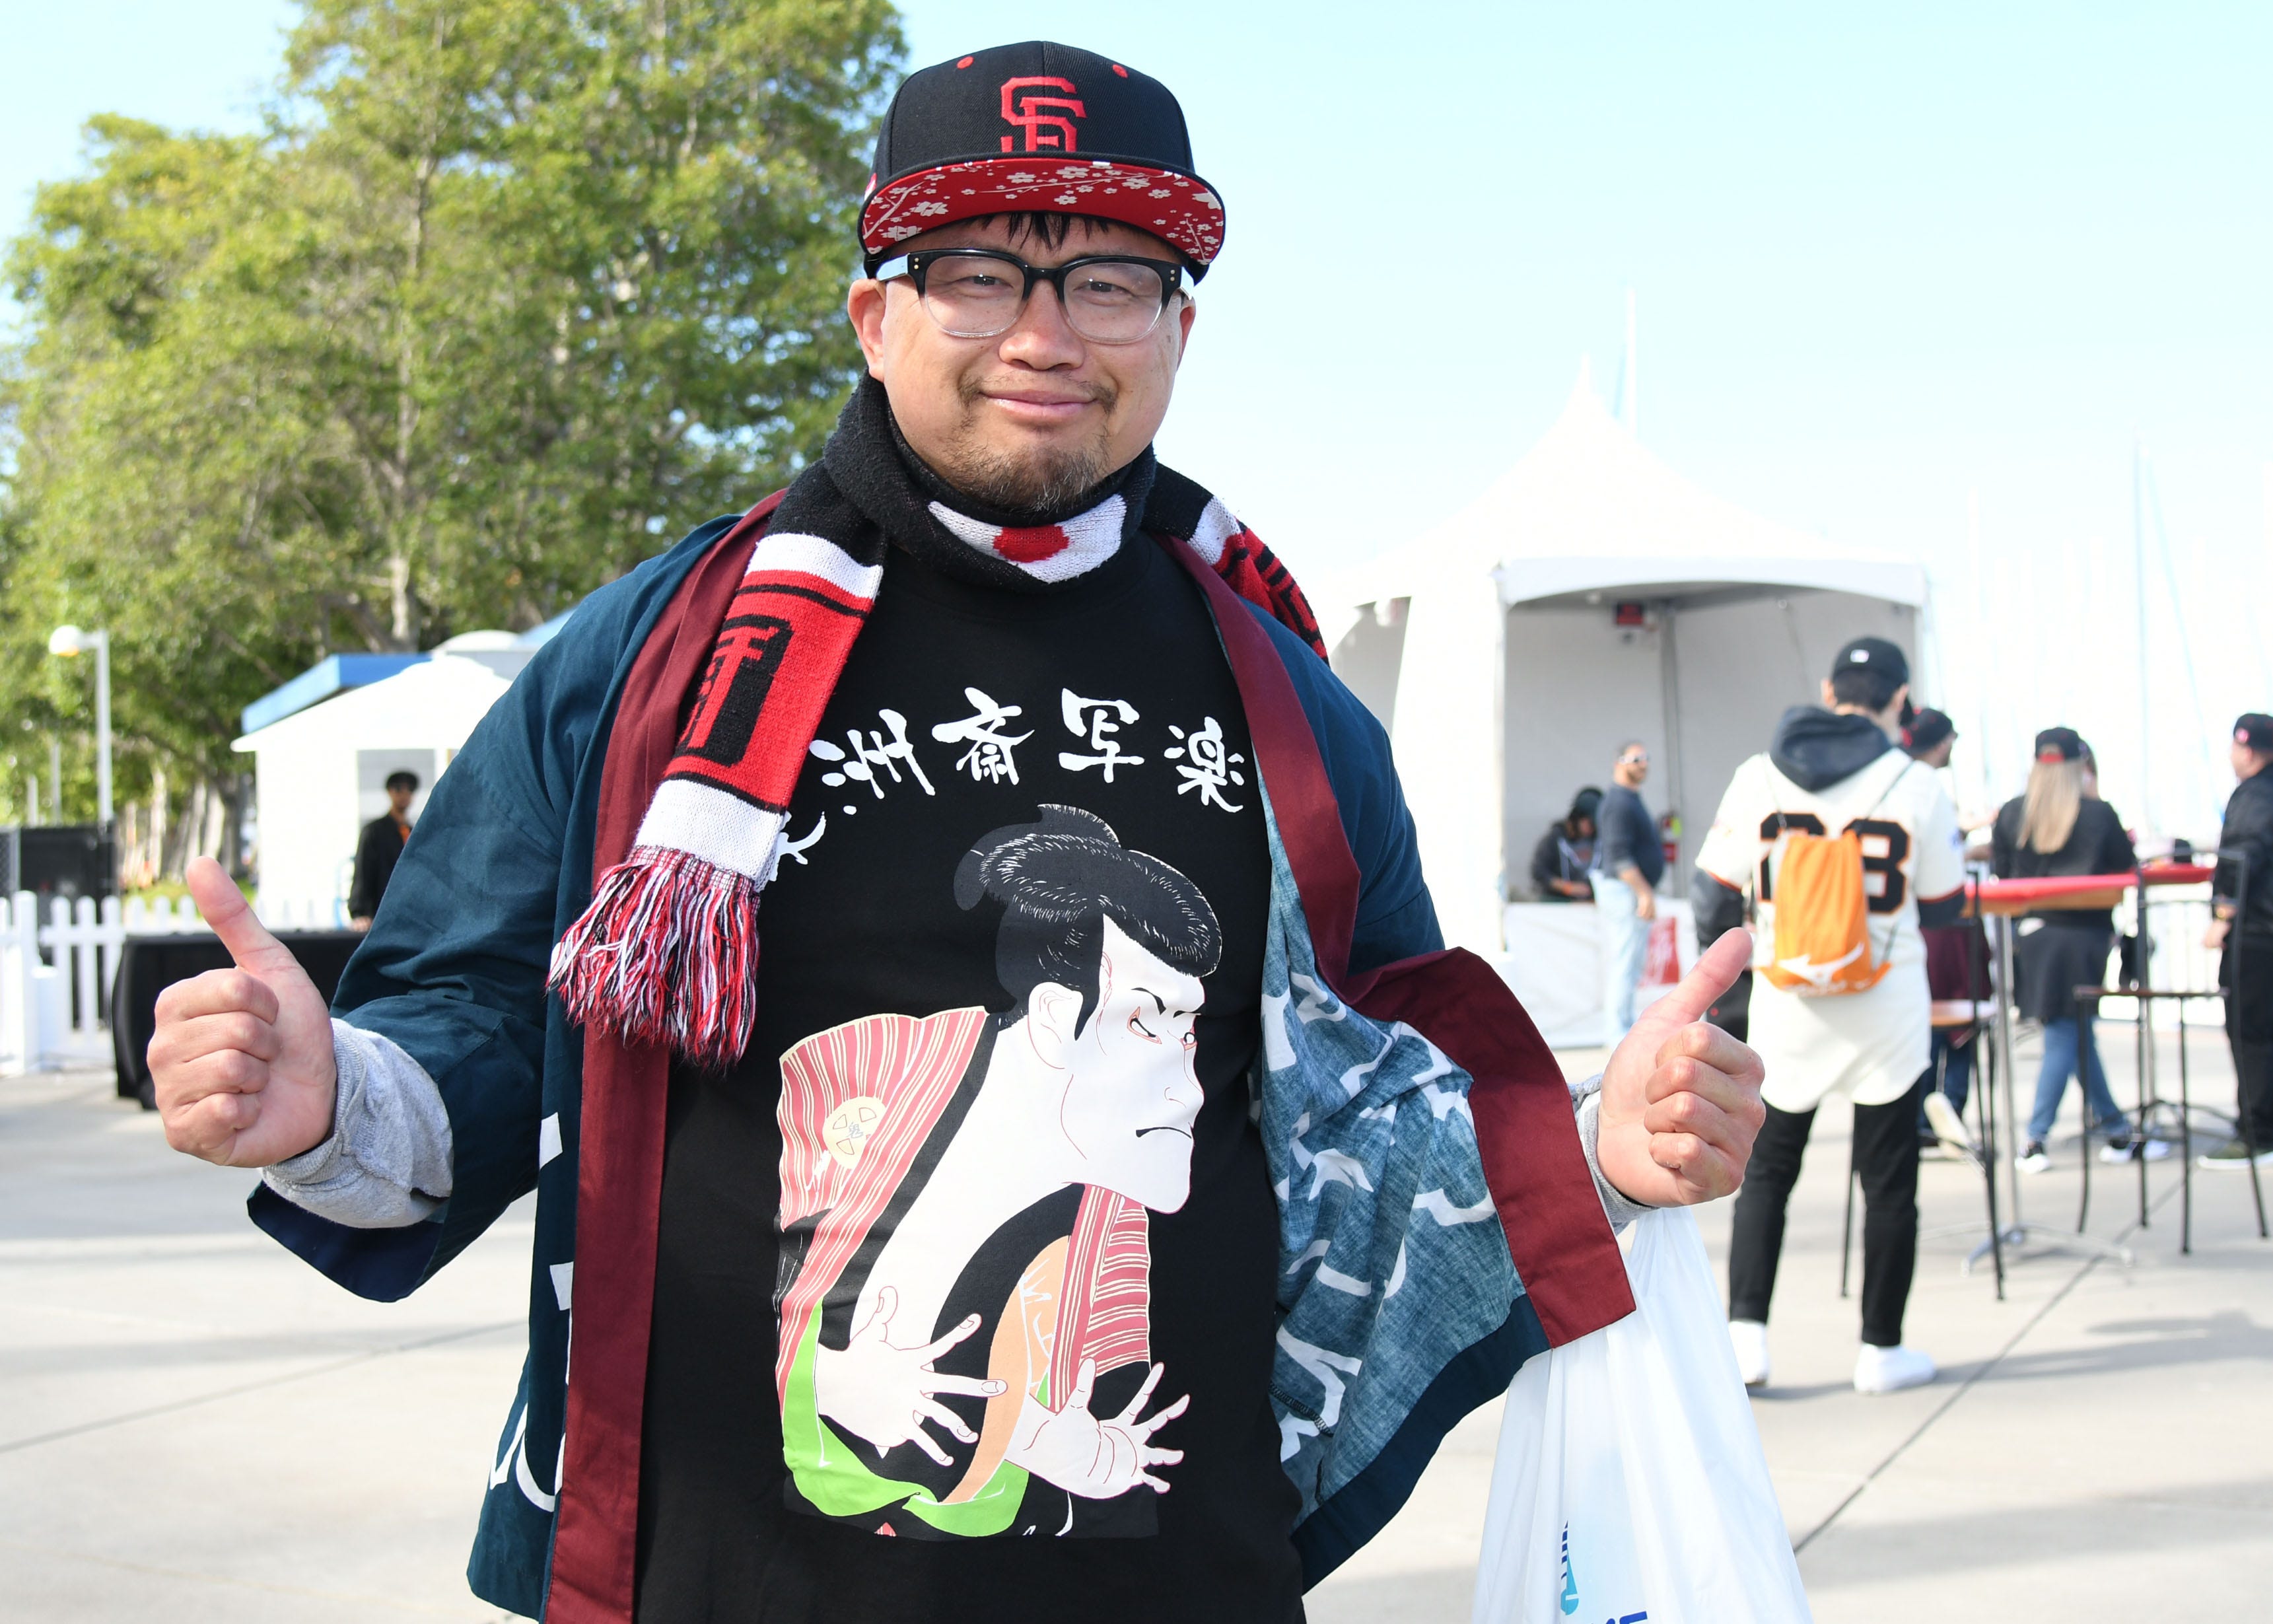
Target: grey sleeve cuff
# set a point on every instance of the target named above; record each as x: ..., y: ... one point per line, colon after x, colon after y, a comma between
x: 387, y: 1162
x: 1587, y: 1099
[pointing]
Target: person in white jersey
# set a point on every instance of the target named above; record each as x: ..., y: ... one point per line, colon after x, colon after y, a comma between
x: 1826, y: 772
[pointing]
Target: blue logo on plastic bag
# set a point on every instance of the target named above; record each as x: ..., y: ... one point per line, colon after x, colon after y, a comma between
x: 1571, y: 1589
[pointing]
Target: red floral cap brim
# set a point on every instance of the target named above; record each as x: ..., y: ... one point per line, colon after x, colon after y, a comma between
x: 1180, y: 209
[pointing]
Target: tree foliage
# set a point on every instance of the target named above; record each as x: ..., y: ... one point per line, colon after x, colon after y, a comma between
x: 508, y: 293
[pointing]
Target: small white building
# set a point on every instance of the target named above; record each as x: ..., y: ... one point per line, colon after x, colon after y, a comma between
x: 321, y: 772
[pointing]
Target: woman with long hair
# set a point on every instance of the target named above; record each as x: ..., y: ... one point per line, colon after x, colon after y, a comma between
x: 2062, y: 827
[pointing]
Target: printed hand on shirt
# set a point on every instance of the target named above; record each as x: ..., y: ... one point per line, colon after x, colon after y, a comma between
x: 1681, y: 1100
x: 241, y: 1062
x: 1097, y: 1460
x: 885, y: 1395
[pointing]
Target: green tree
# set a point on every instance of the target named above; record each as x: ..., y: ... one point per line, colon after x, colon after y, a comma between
x: 509, y: 293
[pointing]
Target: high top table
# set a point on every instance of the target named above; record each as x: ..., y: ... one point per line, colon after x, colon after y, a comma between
x: 2004, y: 901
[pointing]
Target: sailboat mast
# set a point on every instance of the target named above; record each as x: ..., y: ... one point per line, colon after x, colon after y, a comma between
x: 2139, y: 596
x: 1630, y: 386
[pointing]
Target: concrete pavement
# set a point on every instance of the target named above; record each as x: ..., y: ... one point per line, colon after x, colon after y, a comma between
x: 193, y: 1424
x: 2099, y: 1446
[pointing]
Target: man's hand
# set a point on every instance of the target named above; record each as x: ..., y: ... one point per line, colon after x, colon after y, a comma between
x: 242, y: 1059
x: 1645, y: 895
x: 1681, y: 1100
x: 2213, y: 938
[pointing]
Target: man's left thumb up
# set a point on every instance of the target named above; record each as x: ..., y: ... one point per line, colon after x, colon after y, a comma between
x: 1715, y: 972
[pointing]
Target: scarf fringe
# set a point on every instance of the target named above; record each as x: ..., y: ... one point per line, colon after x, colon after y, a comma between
x: 667, y: 953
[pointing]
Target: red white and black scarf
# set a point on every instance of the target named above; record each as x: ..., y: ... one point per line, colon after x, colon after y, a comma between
x: 667, y: 953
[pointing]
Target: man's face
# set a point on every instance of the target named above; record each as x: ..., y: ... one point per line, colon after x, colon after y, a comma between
x: 1132, y: 1091
x: 398, y: 798
x: 1632, y: 768
x: 1035, y: 415
x: 1939, y: 756
x: 2248, y: 764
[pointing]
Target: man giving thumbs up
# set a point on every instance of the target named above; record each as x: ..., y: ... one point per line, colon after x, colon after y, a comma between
x: 251, y: 1070
x: 242, y: 1059
x: 989, y: 713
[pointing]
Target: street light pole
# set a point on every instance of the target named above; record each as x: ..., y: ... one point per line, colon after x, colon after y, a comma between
x: 70, y: 642
x: 102, y: 810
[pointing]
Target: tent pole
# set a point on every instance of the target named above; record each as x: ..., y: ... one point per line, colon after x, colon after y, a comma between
x: 1668, y: 665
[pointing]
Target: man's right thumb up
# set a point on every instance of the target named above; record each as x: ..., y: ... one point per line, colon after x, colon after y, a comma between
x: 241, y: 1061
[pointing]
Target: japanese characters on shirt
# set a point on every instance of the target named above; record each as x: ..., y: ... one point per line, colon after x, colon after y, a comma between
x: 984, y: 741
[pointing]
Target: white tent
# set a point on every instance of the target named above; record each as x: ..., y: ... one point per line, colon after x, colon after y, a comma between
x: 1492, y: 649
x: 321, y: 773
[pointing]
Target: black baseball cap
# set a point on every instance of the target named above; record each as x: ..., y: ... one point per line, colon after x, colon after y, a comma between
x: 2061, y: 744
x: 1874, y: 654
x: 2254, y: 729
x: 1927, y: 729
x: 1042, y: 127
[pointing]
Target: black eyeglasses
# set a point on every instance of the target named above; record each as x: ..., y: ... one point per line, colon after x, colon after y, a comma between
x: 980, y: 292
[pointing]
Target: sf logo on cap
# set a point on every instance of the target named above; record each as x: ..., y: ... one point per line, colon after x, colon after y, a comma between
x: 1046, y: 120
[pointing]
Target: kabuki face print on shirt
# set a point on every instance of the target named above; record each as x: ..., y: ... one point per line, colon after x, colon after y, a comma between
x: 964, y: 1294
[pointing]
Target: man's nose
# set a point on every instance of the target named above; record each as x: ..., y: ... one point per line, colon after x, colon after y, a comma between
x: 1042, y: 338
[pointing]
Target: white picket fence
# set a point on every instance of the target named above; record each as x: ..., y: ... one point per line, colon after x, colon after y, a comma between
x: 55, y: 1010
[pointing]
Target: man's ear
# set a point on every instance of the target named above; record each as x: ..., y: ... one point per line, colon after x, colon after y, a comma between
x: 1053, y: 1011
x: 1830, y: 699
x: 1190, y: 313
x: 864, y: 307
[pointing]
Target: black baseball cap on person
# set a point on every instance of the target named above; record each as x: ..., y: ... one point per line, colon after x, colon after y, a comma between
x: 2254, y: 729
x: 1877, y: 654
x: 1037, y: 127
x: 1874, y: 654
x: 2061, y: 744
x: 1926, y: 730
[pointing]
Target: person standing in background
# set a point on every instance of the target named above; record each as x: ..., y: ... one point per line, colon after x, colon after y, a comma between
x: 1628, y: 861
x: 380, y: 848
x: 1559, y: 863
x: 2062, y: 827
x: 2241, y: 895
x: 1956, y: 968
x: 1840, y: 1003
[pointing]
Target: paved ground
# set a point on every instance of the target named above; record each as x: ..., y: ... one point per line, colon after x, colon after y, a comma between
x: 2099, y: 1446
x: 196, y: 1426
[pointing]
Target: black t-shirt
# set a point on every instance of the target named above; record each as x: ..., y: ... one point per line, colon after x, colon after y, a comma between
x: 1627, y: 835
x: 1027, y: 864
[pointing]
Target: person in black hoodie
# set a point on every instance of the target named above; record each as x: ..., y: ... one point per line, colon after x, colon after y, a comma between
x: 1559, y: 863
x: 2062, y: 827
x: 2242, y: 903
x: 1842, y: 1022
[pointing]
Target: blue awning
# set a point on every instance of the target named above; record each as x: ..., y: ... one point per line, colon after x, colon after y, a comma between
x: 320, y: 682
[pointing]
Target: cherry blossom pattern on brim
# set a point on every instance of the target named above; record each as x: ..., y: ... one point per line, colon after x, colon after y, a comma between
x: 1180, y: 210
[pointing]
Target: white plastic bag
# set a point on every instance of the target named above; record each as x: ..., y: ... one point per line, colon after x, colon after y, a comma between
x: 1630, y: 1483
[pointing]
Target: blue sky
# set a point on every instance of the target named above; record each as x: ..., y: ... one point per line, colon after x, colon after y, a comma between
x: 1886, y: 259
